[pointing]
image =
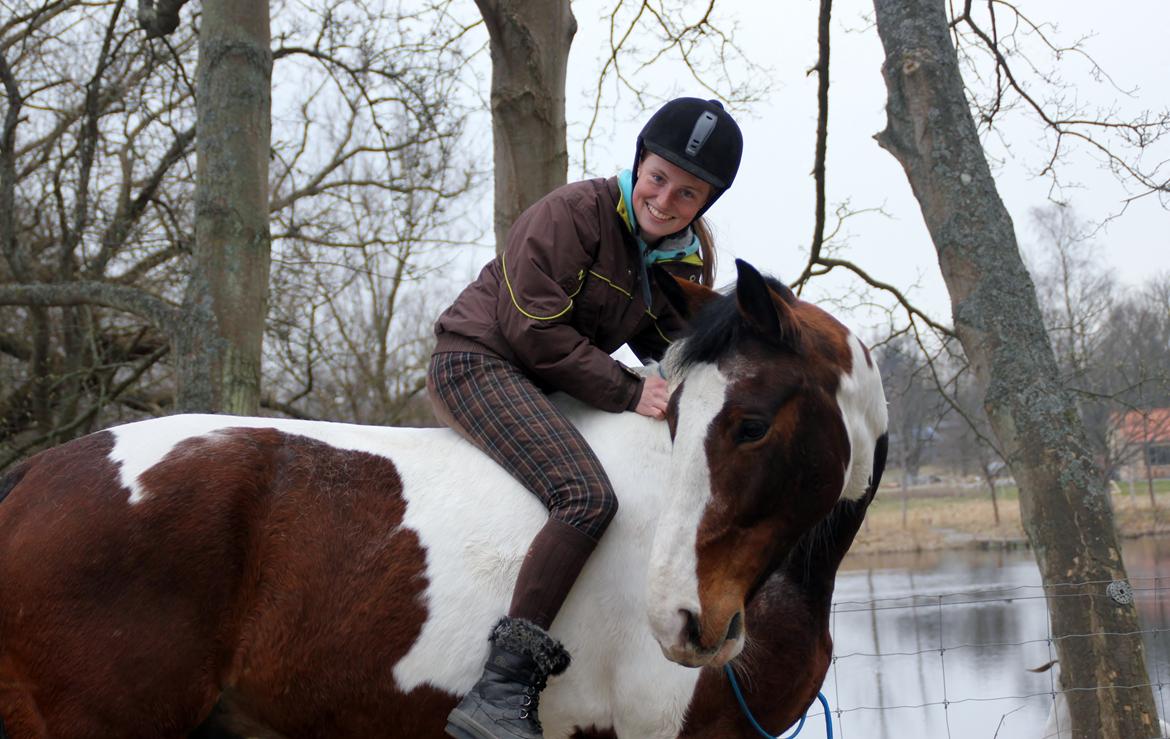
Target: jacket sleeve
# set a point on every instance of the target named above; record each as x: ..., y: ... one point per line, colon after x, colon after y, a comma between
x: 549, y: 250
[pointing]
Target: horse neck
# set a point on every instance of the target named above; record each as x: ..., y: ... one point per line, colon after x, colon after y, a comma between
x: 812, y: 564
x: 791, y: 646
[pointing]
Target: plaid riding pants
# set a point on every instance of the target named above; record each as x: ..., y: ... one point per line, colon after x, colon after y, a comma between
x: 496, y: 407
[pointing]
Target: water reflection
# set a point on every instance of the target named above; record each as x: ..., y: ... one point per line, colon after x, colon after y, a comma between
x: 939, y: 644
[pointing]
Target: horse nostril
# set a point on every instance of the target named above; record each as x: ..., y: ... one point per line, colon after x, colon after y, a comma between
x: 735, y: 628
x: 692, y: 626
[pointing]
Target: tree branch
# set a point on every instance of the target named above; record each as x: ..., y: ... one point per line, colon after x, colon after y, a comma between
x: 159, y: 312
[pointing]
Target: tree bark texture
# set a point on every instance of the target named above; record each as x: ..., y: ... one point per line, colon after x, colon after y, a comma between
x: 1064, y: 505
x: 530, y: 42
x: 217, y: 353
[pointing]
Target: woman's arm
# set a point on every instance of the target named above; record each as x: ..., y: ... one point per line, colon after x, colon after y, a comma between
x: 550, y: 248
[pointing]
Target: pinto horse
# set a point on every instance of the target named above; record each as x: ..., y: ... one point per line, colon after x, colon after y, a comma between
x: 217, y: 576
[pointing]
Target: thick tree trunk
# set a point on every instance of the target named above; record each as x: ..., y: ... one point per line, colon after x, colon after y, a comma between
x: 217, y: 354
x: 1063, y: 504
x: 530, y: 42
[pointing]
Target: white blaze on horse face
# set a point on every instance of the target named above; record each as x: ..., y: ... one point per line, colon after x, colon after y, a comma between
x: 673, y: 585
x: 863, y: 410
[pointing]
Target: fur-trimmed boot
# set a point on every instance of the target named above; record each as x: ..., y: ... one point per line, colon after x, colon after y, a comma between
x: 503, y: 704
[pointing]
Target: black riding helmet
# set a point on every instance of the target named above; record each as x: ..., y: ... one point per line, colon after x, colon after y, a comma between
x: 698, y: 136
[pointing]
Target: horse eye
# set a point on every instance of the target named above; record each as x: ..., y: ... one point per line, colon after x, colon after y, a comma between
x: 750, y: 430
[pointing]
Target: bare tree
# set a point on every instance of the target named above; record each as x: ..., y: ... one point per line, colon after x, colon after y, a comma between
x: 971, y: 443
x: 219, y: 343
x: 931, y: 132
x: 1133, y: 366
x: 693, y: 35
x: 530, y: 42
x: 916, y: 408
x: 93, y: 278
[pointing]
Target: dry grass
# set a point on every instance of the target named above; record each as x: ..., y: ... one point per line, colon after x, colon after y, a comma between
x: 941, y: 520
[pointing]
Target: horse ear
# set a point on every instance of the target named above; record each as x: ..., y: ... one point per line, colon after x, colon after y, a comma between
x: 686, y: 297
x: 769, y: 312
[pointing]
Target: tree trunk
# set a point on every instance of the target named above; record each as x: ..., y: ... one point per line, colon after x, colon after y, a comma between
x: 1063, y: 504
x: 217, y: 353
x: 530, y: 42
x: 989, y: 477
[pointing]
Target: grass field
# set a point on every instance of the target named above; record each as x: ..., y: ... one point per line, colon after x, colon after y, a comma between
x: 941, y: 517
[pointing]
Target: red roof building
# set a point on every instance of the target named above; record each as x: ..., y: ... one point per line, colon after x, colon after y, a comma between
x: 1144, y: 436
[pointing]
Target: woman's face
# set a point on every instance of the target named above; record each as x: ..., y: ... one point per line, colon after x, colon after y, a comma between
x: 666, y: 197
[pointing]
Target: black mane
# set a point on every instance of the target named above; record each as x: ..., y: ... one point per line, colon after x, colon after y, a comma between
x: 718, y: 326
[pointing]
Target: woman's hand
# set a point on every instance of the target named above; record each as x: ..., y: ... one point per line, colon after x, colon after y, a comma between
x: 655, y: 395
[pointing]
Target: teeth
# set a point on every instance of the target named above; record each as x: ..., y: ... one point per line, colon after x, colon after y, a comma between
x: 657, y: 213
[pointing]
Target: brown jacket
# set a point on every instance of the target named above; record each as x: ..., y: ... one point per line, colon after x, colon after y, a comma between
x: 564, y: 294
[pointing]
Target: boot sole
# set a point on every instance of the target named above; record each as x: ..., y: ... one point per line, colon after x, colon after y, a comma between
x: 458, y: 733
x: 461, y: 726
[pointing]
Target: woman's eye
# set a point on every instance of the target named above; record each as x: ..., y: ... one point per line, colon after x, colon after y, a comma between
x: 750, y: 430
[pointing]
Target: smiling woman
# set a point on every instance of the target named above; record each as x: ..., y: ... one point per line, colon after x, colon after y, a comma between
x: 571, y: 286
x: 666, y: 197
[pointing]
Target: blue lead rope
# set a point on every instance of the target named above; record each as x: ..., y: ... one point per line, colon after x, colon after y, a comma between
x: 756, y: 725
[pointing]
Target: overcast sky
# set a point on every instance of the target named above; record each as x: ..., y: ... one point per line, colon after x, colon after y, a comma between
x: 767, y: 217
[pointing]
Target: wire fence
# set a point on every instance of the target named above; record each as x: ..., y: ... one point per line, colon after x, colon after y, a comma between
x: 958, y: 664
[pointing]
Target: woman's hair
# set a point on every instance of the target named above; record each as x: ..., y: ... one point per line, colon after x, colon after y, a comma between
x: 706, y: 250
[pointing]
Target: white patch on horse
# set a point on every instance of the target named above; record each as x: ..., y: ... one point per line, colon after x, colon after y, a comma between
x: 475, y: 536
x: 475, y: 523
x: 674, y: 578
x: 863, y: 410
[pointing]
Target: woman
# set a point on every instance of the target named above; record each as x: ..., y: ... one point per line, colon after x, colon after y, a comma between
x: 571, y: 286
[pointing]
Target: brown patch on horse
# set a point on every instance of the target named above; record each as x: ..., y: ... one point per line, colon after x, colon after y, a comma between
x: 334, y: 600
x: 65, y: 591
x: 272, y: 566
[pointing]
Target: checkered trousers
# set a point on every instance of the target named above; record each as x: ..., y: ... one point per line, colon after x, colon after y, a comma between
x: 494, y: 405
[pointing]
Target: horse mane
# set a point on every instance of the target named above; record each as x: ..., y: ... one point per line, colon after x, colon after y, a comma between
x: 717, y: 327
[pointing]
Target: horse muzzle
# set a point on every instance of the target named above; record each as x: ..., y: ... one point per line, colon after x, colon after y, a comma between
x: 682, y: 640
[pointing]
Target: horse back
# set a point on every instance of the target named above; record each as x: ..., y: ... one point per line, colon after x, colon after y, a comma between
x: 241, y: 559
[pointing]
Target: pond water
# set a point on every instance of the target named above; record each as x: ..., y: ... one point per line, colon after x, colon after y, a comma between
x: 940, y: 644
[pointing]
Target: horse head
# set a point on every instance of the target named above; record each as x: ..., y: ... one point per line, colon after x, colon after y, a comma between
x: 776, y: 413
